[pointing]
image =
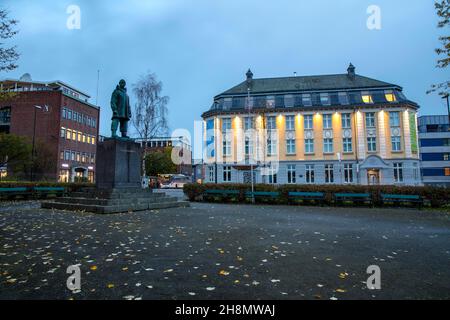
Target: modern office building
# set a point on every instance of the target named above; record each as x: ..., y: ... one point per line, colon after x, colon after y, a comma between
x: 434, y: 136
x: 57, y: 115
x: 326, y: 129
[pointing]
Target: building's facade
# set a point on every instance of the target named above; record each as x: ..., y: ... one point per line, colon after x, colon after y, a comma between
x: 434, y: 136
x: 337, y: 129
x: 181, y: 149
x: 58, y: 116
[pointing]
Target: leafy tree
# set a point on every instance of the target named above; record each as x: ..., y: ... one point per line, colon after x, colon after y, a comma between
x: 160, y: 162
x: 44, y: 161
x: 15, y: 152
x: 8, y: 55
x: 443, y: 12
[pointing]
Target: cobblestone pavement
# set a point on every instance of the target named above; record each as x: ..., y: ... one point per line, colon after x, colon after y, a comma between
x: 215, y: 251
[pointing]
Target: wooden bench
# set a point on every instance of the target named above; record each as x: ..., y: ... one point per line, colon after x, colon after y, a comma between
x: 402, y: 198
x: 262, y: 194
x: 39, y: 192
x: 306, y: 196
x: 12, y: 193
x: 353, y: 197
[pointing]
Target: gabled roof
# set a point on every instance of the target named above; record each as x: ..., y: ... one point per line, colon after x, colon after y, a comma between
x: 308, y: 83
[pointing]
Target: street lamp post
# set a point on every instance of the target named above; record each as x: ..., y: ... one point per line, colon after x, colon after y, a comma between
x: 34, y: 142
x: 251, y: 160
x: 448, y: 109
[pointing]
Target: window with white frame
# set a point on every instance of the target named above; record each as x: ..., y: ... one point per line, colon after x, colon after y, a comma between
x: 416, y: 170
x: 271, y: 147
x: 291, y: 174
x: 328, y: 145
x: 63, y: 132
x: 306, y: 99
x: 398, y: 172
x: 329, y: 173
x: 272, y: 176
x: 370, y: 119
x: 396, y: 144
x: 371, y: 144
x: 325, y: 99
x: 226, y: 124
x: 248, y: 146
x: 309, y: 173
x: 308, y: 121
x: 327, y: 122
x: 309, y: 145
x: 348, y: 173
x: 249, y: 123
x: 290, y: 123
x: 211, y: 173
x: 227, y: 174
x: 271, y: 123
x: 346, y: 119
x: 226, y: 148
x: 347, y: 145
x: 394, y: 119
x: 290, y: 146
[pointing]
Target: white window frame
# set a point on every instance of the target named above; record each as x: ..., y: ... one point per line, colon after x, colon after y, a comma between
x: 291, y: 174
x: 328, y: 145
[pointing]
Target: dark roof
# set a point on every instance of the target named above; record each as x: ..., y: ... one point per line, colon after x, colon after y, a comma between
x: 307, y: 83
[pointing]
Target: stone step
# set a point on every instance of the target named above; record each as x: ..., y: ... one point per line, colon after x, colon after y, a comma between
x: 114, y: 208
x: 115, y: 201
x: 115, y: 194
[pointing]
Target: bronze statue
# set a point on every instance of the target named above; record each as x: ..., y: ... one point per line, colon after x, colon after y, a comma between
x: 120, y: 105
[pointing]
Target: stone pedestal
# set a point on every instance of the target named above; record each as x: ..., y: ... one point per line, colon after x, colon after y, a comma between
x: 118, y: 164
x: 118, y: 184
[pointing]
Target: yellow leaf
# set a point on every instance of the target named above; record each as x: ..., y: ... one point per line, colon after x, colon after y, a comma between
x: 125, y: 269
x: 93, y: 268
x: 341, y: 290
x: 110, y: 286
x: 223, y: 273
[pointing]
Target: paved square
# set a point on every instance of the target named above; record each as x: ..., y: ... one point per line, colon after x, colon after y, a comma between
x: 216, y: 251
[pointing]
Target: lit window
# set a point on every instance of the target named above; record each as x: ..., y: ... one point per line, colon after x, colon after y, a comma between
x: 74, y: 135
x: 447, y: 172
x: 68, y: 134
x: 366, y: 97
x: 291, y: 174
x: 390, y: 96
x: 84, y: 138
x: 88, y: 139
x: 93, y: 140
x: 79, y: 136
x: 78, y: 157
x: 328, y: 145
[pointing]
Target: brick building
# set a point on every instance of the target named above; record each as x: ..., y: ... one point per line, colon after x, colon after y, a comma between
x: 65, y: 122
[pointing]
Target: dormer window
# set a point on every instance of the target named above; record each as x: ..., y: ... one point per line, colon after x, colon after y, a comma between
x: 390, y: 96
x: 343, y: 98
x: 325, y: 99
x: 306, y: 99
x: 366, y: 97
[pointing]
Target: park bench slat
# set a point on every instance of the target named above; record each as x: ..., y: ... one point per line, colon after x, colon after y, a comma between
x: 352, y: 195
x: 400, y: 197
x: 306, y: 194
x: 17, y: 189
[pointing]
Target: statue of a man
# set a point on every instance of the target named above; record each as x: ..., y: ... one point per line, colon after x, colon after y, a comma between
x: 120, y: 105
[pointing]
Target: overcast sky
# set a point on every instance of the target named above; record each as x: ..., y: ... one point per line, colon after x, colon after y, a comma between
x: 199, y: 48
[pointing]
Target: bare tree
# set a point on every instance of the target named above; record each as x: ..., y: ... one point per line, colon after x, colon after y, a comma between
x: 8, y: 56
x: 443, y: 12
x: 150, y: 112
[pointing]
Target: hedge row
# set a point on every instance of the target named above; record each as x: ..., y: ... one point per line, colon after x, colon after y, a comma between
x: 70, y: 187
x: 435, y: 196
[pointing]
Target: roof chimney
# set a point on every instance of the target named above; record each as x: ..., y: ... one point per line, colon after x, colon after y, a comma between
x: 351, y: 71
x: 249, y: 75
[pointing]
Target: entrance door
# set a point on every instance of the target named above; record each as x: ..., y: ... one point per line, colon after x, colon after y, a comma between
x: 373, y: 176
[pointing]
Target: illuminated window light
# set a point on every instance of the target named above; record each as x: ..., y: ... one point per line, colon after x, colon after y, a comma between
x: 367, y: 98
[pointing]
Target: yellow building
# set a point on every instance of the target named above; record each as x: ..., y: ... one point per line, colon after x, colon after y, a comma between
x: 336, y: 129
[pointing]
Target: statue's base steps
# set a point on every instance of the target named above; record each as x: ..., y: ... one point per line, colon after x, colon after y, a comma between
x: 114, y: 201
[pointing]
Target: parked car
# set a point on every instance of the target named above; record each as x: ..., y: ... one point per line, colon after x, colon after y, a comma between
x: 176, y: 182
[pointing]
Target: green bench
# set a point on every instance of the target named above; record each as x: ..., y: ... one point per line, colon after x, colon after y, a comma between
x: 40, y: 192
x: 401, y: 198
x: 262, y: 194
x: 306, y: 196
x: 11, y: 193
x: 352, y: 197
